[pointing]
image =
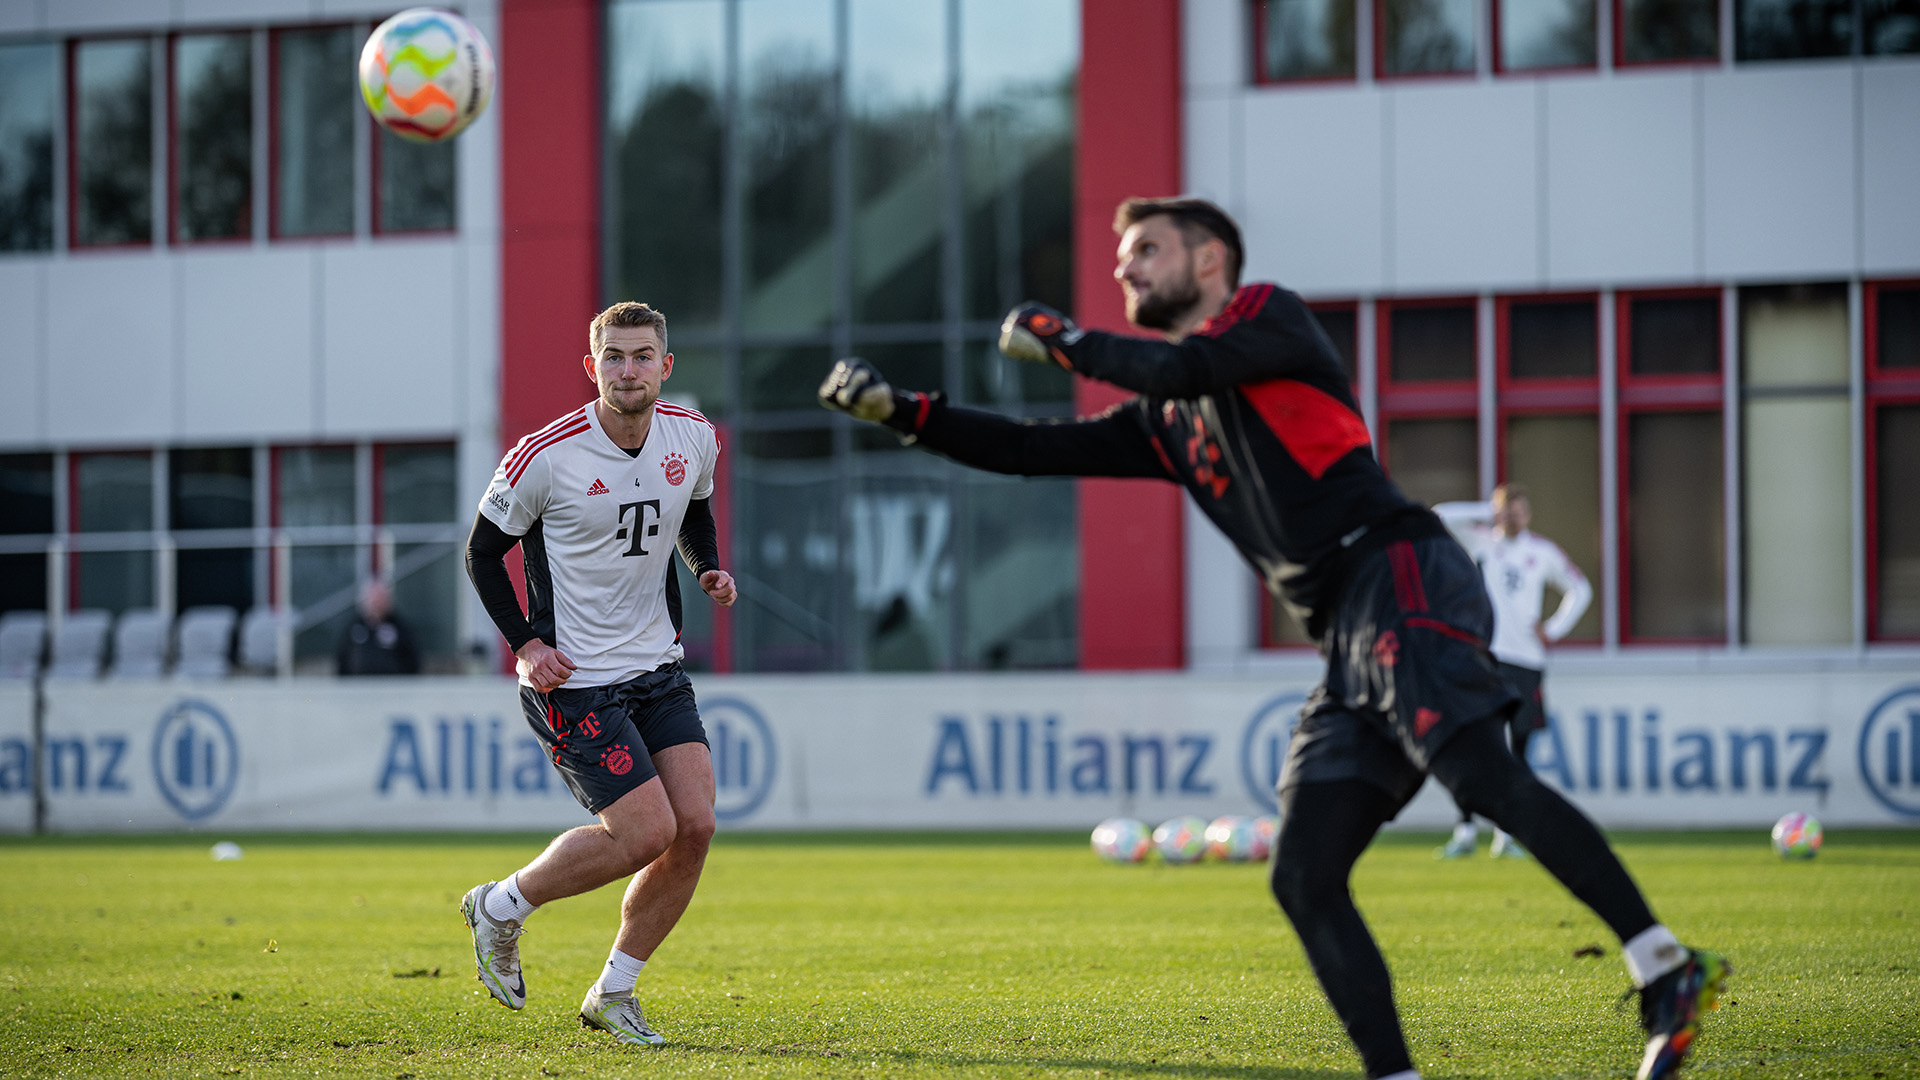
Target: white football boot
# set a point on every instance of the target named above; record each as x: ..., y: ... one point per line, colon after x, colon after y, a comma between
x: 620, y: 1014
x: 496, y: 949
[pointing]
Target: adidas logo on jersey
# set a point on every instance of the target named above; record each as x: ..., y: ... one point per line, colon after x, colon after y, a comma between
x: 598, y: 488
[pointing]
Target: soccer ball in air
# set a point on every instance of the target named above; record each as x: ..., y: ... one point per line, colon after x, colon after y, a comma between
x: 1121, y: 840
x: 426, y: 74
x: 1796, y: 836
x: 1231, y: 838
x: 1181, y: 839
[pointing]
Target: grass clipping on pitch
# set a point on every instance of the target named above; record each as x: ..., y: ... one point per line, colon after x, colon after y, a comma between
x: 928, y: 956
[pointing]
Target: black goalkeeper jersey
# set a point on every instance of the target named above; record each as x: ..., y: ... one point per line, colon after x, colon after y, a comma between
x: 1252, y: 414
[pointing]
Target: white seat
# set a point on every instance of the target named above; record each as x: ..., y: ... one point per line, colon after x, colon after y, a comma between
x: 260, y: 639
x: 205, y: 636
x: 139, y: 645
x: 80, y: 644
x: 23, y: 643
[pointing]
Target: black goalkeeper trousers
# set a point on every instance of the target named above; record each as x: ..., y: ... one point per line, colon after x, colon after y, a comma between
x: 1326, y: 825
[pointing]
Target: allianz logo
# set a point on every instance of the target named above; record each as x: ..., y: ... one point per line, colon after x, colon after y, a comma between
x: 1021, y: 755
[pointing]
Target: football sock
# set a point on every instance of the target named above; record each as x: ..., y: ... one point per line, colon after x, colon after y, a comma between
x: 1652, y: 953
x: 506, y: 903
x: 621, y: 972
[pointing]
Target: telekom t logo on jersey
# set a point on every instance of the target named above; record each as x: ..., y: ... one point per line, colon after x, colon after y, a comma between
x: 636, y: 534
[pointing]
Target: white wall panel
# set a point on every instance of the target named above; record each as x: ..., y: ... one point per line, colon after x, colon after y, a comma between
x: 1890, y: 160
x: 244, y: 12
x: 246, y: 364
x: 1779, y: 171
x: 1312, y: 189
x: 112, y: 371
x: 22, y: 16
x: 1207, y: 129
x: 1215, y: 51
x: 22, y: 366
x: 1465, y: 187
x: 1621, y: 187
x: 90, y: 15
x: 389, y: 339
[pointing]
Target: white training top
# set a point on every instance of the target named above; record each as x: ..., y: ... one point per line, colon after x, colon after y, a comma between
x: 1517, y: 569
x: 598, y: 530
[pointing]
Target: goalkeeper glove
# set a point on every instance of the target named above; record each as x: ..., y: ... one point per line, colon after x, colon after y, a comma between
x: 856, y: 388
x: 1037, y: 333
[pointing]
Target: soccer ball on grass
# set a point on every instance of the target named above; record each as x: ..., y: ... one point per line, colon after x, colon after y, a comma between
x: 1232, y: 839
x: 1796, y: 836
x: 1121, y: 840
x: 1181, y: 839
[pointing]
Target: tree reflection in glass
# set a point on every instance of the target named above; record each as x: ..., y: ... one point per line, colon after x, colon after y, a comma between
x: 1792, y: 29
x: 213, y: 124
x: 1306, y: 39
x: 788, y: 87
x: 1427, y: 37
x: 1656, y: 30
x: 114, y: 141
x: 1546, y: 34
x: 26, y: 147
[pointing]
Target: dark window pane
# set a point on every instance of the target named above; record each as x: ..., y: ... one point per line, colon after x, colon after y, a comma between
x: 418, y: 485
x: 114, y: 580
x: 220, y: 577
x: 1424, y: 37
x: 26, y: 147
x: 1557, y: 458
x: 1431, y: 344
x: 316, y: 486
x: 26, y: 494
x: 23, y: 582
x: 787, y: 87
x: 1655, y: 30
x: 212, y: 489
x: 666, y: 134
x: 1676, y: 528
x: 1898, y: 324
x: 896, y: 83
x: 699, y: 381
x: 316, y: 95
x: 1342, y: 326
x: 787, y: 377
x: 1546, y: 34
x: 416, y: 184
x: 1897, y: 451
x: 1558, y: 339
x: 114, y: 141
x: 1890, y: 26
x: 323, y: 577
x: 787, y: 540
x: 1021, y: 573
x: 426, y: 598
x: 1790, y: 29
x: 116, y: 492
x: 1305, y: 39
x: 900, y: 526
x: 1674, y: 335
x: 1435, y: 461
x: 213, y: 125
x: 993, y: 380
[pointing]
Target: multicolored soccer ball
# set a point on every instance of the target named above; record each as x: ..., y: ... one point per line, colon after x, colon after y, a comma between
x: 1266, y: 828
x: 1181, y: 839
x: 1231, y: 838
x: 1797, y: 836
x: 1122, y: 840
x: 426, y: 74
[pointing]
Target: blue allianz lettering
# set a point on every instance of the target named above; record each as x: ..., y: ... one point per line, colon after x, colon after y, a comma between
x: 16, y: 767
x: 1017, y: 756
x: 73, y: 765
x: 1734, y: 760
x: 463, y: 757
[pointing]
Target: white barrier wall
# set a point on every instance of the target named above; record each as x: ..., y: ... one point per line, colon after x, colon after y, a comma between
x: 16, y: 758
x: 934, y: 752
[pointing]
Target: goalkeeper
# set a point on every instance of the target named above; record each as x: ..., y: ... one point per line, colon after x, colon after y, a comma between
x: 1244, y: 404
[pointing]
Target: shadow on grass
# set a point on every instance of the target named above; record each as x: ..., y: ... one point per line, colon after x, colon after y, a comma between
x: 1045, y: 1065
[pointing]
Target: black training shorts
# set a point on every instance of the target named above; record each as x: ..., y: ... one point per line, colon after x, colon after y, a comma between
x: 1407, y: 666
x: 1532, y: 714
x: 603, y: 738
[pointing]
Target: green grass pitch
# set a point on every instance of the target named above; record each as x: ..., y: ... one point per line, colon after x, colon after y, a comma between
x: 927, y: 956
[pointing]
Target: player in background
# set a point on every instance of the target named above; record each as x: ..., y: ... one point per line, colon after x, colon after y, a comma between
x: 1245, y: 405
x: 1518, y: 565
x: 596, y: 500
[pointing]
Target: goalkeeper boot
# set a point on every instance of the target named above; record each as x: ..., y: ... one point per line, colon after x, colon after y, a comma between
x: 1506, y: 847
x: 619, y: 1014
x: 1671, y: 1007
x: 496, y: 948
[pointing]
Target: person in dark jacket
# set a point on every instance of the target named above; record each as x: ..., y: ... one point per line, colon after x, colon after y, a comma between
x: 376, y: 642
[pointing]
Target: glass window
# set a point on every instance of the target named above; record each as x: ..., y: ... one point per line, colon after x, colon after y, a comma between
x: 213, y: 136
x: 666, y: 134
x: 1553, y: 339
x: 1426, y: 37
x: 787, y: 540
x: 896, y: 91
x: 1676, y: 528
x: 113, y: 140
x: 900, y: 530
x: 1342, y: 327
x: 1897, y: 319
x: 1546, y: 34
x: 1435, y: 460
x: 1021, y: 571
x: 789, y: 83
x: 1674, y: 335
x: 315, y: 95
x: 1790, y: 29
x: 26, y: 509
x: 316, y: 489
x: 1890, y: 26
x: 699, y: 380
x: 1431, y: 343
x: 1652, y: 31
x: 415, y: 189
x: 418, y: 485
x: 1303, y: 39
x: 26, y: 147
x: 115, y: 494
x: 779, y: 378
x: 1557, y: 458
x: 212, y: 489
x: 1897, y: 512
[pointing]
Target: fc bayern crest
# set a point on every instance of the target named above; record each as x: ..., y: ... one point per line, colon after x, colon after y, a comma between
x: 676, y: 467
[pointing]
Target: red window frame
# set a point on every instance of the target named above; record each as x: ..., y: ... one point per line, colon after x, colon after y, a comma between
x: 173, y: 141
x: 1426, y: 399
x: 1380, y: 73
x: 1638, y: 394
x: 274, y: 37
x: 1260, y: 77
x: 1620, y: 42
x: 1885, y: 387
x: 1500, y: 53
x: 72, y: 105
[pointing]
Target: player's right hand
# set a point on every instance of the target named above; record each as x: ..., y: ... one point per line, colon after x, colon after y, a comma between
x: 544, y: 667
x: 854, y: 387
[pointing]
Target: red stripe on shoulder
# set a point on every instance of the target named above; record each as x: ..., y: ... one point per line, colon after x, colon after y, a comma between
x: 533, y: 450
x: 520, y: 448
x: 1245, y: 304
x: 670, y: 409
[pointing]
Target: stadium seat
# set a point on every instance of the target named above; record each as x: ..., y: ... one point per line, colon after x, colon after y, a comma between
x: 139, y: 645
x: 206, y: 642
x: 23, y: 643
x: 260, y: 639
x: 80, y: 644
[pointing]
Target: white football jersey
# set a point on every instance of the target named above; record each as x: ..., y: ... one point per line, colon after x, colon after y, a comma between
x: 598, y: 531
x: 1517, y: 570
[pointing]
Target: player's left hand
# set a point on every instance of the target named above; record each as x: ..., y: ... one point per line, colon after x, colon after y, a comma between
x: 857, y: 388
x: 719, y: 585
x: 1036, y: 333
